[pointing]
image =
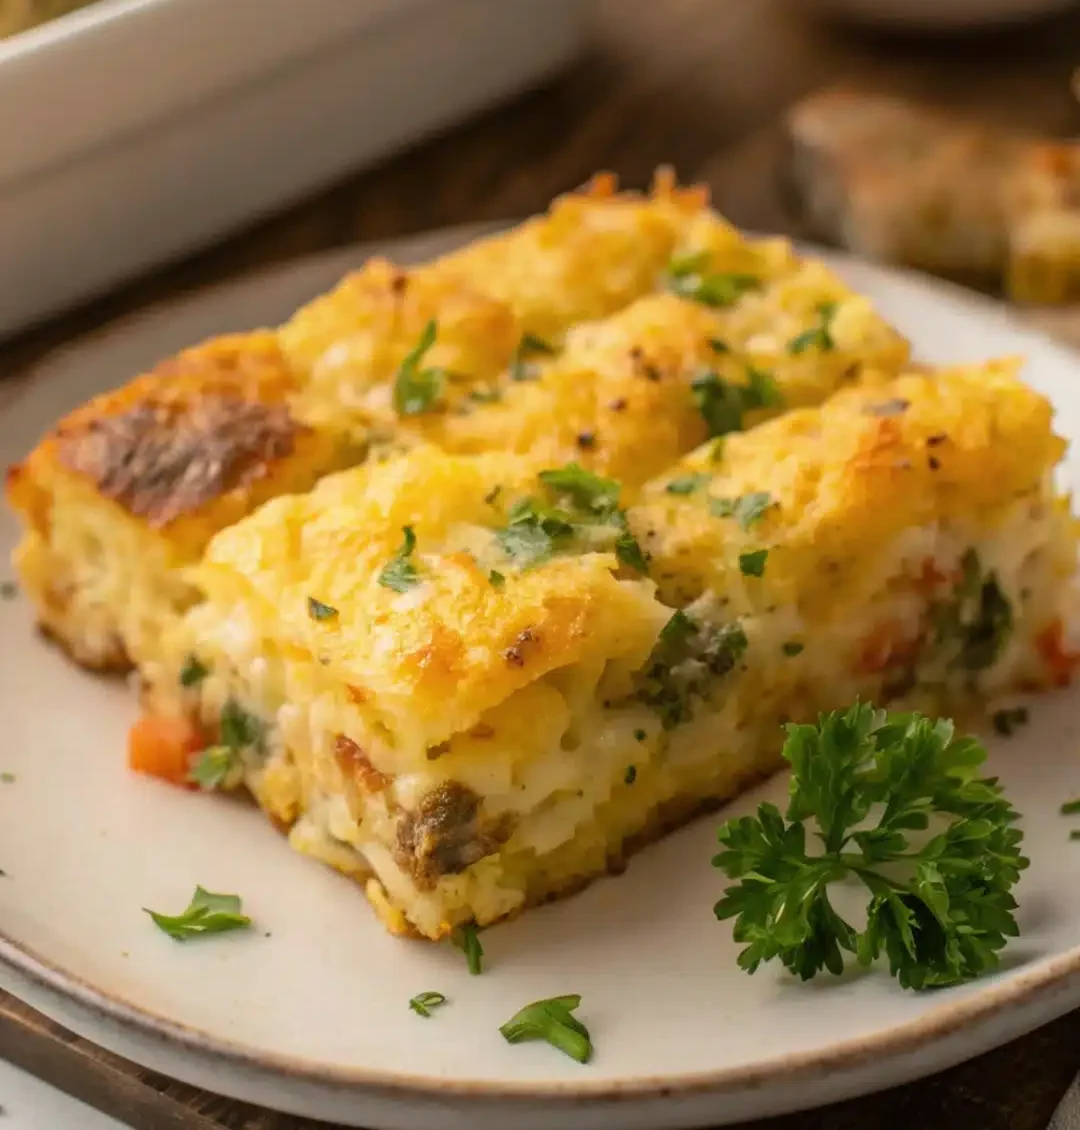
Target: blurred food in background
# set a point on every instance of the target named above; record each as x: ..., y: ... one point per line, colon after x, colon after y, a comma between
x: 903, y: 183
x: 20, y: 15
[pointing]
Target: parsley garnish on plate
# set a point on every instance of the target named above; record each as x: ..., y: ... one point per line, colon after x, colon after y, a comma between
x: 207, y: 913
x: 467, y: 939
x: 8, y: 590
x: 423, y: 1003
x: 319, y: 611
x: 496, y: 579
x: 819, y: 335
x: 551, y: 1020
x: 724, y: 404
x: 214, y: 766
x: 688, y: 276
x: 941, y: 904
x: 193, y: 671
x: 418, y: 390
x: 400, y: 574
x: 529, y: 346
x: 1009, y: 719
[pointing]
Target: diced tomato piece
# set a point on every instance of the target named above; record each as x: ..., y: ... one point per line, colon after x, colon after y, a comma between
x: 164, y: 747
x: 1050, y: 643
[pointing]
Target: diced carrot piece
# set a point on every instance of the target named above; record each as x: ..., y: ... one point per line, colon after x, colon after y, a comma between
x: 164, y: 747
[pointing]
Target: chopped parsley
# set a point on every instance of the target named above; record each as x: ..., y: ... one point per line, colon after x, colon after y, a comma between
x: 752, y: 563
x: 587, y: 491
x: 1007, y: 721
x: 493, y: 494
x: 630, y: 776
x: 1070, y: 807
x: 319, y: 611
x: 940, y: 908
x: 239, y: 729
x: 747, y: 509
x: 496, y: 579
x: 467, y: 939
x: 529, y: 346
x: 423, y: 1003
x: 580, y: 499
x: 688, y: 277
x: 688, y: 658
x: 8, y: 590
x: 418, y: 390
x: 718, y: 345
x: 207, y: 913
x: 214, y: 766
x: 978, y: 619
x: 7, y: 778
x: 551, y: 1020
x: 818, y: 336
x: 724, y: 404
x: 400, y: 574
x: 639, y: 735
x: 687, y: 484
x: 793, y: 648
x: 193, y: 671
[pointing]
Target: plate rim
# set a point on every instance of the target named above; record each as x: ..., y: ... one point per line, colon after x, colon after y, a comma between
x: 1029, y: 987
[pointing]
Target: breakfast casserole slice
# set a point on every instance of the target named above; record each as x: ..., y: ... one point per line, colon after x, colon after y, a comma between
x: 474, y: 686
x: 487, y: 348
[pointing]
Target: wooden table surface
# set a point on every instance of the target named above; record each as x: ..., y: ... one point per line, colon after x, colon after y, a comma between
x: 702, y: 85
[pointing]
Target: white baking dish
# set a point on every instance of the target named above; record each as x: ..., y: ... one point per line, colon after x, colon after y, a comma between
x: 133, y: 131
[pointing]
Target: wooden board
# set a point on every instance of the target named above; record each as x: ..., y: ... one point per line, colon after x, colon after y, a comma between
x: 702, y: 85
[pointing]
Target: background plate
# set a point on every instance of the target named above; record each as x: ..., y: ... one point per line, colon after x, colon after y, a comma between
x: 308, y: 1014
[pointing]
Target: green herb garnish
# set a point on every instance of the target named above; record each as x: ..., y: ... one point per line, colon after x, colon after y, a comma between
x: 238, y: 728
x: 978, y: 620
x: 319, y: 611
x: 400, y: 574
x: 688, y: 277
x: 538, y: 530
x: 193, y: 671
x: 496, y: 579
x: 747, y: 509
x: 752, y: 563
x: 687, y: 484
x: 529, y: 346
x: 423, y: 1003
x: 214, y: 766
x: 630, y: 776
x: 8, y: 590
x: 418, y: 390
x: 793, y: 648
x: 1070, y: 807
x: 551, y: 1020
x: 639, y: 735
x: 467, y: 939
x: 819, y: 335
x: 724, y: 404
x: 207, y: 913
x: 687, y: 659
x: 7, y: 778
x: 940, y: 909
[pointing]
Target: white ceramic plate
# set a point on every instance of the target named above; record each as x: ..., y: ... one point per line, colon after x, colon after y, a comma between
x: 309, y: 1013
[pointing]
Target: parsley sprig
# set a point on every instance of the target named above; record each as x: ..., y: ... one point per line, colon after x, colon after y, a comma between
x: 207, y: 913
x: 817, y: 336
x: 940, y: 909
x: 521, y: 368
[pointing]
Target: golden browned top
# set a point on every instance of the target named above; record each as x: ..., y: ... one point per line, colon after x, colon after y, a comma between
x: 208, y: 425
